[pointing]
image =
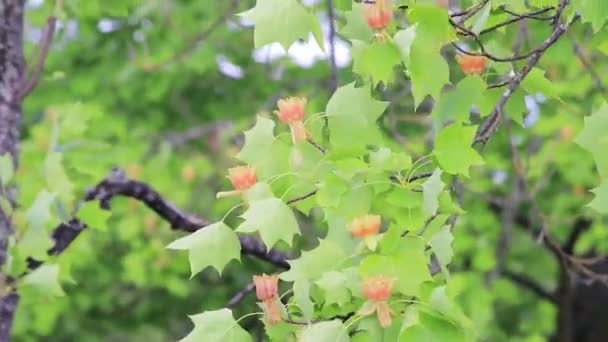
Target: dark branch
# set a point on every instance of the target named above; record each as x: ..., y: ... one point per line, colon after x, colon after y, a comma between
x: 518, y: 17
x: 531, y: 285
x: 117, y: 184
x: 45, y: 45
x: 597, y: 80
x: 239, y: 296
x: 490, y: 125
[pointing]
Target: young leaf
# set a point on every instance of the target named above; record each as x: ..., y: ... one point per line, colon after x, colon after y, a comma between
x: 432, y: 188
x: 376, y: 61
x: 332, y: 331
x: 95, y: 217
x: 36, y: 241
x: 593, y: 11
x: 536, y: 82
x: 214, y: 245
x: 327, y: 256
x: 428, y: 70
x: 456, y: 104
x: 301, y: 294
x: 600, y: 202
x: 262, y: 150
x: 404, y: 40
x: 44, y: 280
x: 441, y: 243
x: 283, y: 21
x: 352, y: 114
x: 593, y: 138
x: 453, y: 149
x: 273, y: 219
x: 56, y: 178
x: 333, y: 284
x: 356, y: 27
x: 216, y: 325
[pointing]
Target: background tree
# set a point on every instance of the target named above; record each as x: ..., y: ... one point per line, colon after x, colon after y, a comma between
x: 529, y: 255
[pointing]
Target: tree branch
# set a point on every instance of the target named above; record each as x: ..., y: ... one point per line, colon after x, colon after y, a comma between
x: 194, y: 42
x: 117, y: 184
x: 239, y: 296
x: 45, y: 45
x: 531, y: 285
x: 597, y: 80
x: 490, y: 125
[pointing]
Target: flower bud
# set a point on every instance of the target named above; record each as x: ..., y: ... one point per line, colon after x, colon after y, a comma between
x: 242, y: 177
x: 292, y: 111
x: 378, y: 14
x: 378, y: 288
x: 266, y: 287
x: 365, y: 225
x: 471, y: 64
x: 267, y: 291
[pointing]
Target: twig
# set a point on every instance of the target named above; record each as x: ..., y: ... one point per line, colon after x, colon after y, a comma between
x: 303, y: 197
x: 518, y: 17
x: 194, y: 42
x: 239, y: 296
x: 531, y: 285
x: 578, y: 50
x: 466, y: 14
x: 45, y: 45
x: 333, y: 83
x: 117, y: 184
x: 490, y: 125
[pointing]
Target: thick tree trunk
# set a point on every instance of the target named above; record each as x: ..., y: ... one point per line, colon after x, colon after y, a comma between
x: 11, y: 80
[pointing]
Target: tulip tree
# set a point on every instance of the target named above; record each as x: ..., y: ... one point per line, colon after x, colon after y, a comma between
x: 371, y: 206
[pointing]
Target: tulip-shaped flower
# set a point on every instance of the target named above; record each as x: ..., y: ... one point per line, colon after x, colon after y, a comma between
x: 471, y: 64
x: 242, y: 178
x: 378, y: 290
x: 366, y: 227
x: 292, y: 111
x: 267, y: 291
x: 378, y: 14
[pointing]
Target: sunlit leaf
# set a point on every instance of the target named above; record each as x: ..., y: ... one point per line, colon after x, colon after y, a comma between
x: 432, y: 188
x: 314, y: 263
x: 273, y: 219
x: 453, y: 149
x: 214, y: 245
x: 216, y: 325
x: 330, y: 331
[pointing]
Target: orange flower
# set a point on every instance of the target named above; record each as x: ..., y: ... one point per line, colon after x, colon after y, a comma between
x: 242, y: 177
x: 267, y: 291
x: 292, y: 111
x: 364, y: 226
x: 471, y: 64
x: 266, y: 287
x: 378, y: 14
x: 442, y: 3
x: 378, y: 290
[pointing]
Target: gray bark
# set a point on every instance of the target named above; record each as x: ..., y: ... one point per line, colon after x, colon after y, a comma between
x: 11, y: 80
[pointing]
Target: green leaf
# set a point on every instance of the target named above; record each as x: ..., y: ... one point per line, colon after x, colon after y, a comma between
x: 386, y: 160
x: 6, y: 169
x: 481, y: 18
x: 536, y: 82
x: 392, y: 266
x: 262, y: 150
x: 331, y: 331
x: 422, y: 326
x: 343, y: 5
x: 56, y: 179
x: 352, y: 114
x: 456, y: 104
x: 404, y: 40
x: 428, y: 70
x: 92, y: 214
x: 514, y: 108
x: 333, y: 285
x: 259, y: 191
x: 44, y: 280
x: 433, y: 25
x: 431, y: 190
x: 312, y: 264
x: 592, y: 11
x: 593, y: 138
x: 273, y: 219
x: 283, y: 21
x: 453, y: 149
x: 441, y: 243
x: 600, y: 202
x: 376, y: 61
x: 36, y: 241
x: 214, y: 245
x: 356, y: 27
x: 301, y: 294
x: 216, y: 325
x: 331, y: 190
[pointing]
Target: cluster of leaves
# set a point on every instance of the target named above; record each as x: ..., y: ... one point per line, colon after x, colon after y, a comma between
x: 359, y: 171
